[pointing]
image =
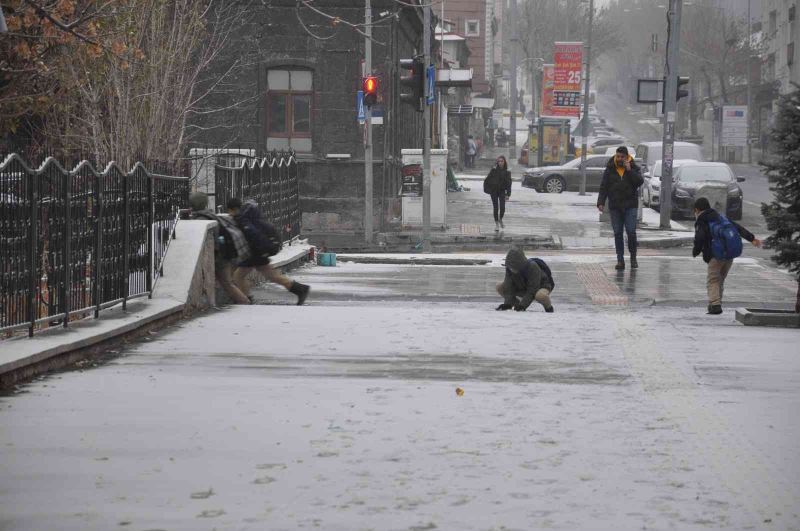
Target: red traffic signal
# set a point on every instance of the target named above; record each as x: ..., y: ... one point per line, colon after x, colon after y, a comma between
x: 370, y: 87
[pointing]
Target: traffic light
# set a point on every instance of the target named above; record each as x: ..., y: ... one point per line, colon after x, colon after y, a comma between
x: 414, y: 81
x: 370, y: 87
x: 681, y: 93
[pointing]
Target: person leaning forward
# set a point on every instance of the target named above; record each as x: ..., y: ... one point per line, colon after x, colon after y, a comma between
x: 230, y: 245
x: 524, y: 282
x: 620, y: 185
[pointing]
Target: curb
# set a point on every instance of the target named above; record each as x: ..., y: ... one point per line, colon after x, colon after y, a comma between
x: 765, y: 317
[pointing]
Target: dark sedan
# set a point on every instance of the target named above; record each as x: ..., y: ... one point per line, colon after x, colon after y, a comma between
x: 712, y: 180
x: 557, y: 179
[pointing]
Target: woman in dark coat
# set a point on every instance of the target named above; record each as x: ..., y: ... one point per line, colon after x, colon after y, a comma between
x: 498, y: 185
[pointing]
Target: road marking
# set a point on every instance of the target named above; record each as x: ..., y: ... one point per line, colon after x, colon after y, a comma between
x: 601, y: 290
x: 742, y: 469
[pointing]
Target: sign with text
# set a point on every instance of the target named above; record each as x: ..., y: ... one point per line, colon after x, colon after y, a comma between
x: 548, y: 107
x: 734, y: 125
x: 568, y: 59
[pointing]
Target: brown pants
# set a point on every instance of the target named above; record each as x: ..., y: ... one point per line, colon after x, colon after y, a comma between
x: 223, y: 270
x: 272, y: 274
x: 717, y: 272
x: 542, y: 296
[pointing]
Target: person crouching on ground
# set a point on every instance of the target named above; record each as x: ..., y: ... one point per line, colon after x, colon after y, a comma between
x: 525, y: 281
x: 719, y: 240
x: 264, y: 241
x: 621, y: 181
x: 230, y: 245
x: 498, y: 185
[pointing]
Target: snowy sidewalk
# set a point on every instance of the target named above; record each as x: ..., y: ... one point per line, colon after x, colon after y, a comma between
x: 282, y: 417
x: 571, y: 220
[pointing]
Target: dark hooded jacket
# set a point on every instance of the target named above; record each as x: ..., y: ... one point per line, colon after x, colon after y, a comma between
x: 523, y: 278
x: 622, y: 191
x: 702, y: 233
x: 498, y: 182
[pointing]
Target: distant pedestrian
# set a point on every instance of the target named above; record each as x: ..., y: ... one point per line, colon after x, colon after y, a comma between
x: 526, y: 280
x: 472, y: 150
x: 230, y: 245
x: 720, y: 241
x: 620, y: 185
x: 498, y: 185
x: 264, y: 241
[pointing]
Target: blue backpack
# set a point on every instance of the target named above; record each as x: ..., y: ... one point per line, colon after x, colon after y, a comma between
x: 726, y: 243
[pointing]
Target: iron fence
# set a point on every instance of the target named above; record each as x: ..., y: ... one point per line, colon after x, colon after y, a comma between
x: 75, y: 242
x: 271, y: 182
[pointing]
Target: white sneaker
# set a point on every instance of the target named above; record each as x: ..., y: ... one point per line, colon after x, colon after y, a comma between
x: 502, y: 225
x: 496, y: 226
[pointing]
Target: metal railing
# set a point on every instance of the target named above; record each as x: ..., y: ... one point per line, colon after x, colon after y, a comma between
x: 75, y: 242
x: 271, y: 182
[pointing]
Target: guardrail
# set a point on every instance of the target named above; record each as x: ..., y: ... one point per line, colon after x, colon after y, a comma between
x: 271, y: 182
x: 75, y: 242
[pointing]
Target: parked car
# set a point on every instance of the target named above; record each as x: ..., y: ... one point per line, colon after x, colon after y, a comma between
x: 650, y: 152
x: 600, y: 145
x: 651, y: 189
x: 610, y: 151
x: 714, y: 180
x: 557, y: 179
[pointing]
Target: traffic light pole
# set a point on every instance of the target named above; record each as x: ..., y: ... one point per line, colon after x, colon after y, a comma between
x: 585, y: 121
x: 670, y: 104
x: 368, y: 126
x: 514, y: 104
x: 426, y: 125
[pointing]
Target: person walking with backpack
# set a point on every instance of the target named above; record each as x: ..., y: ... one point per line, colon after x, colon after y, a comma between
x: 498, y: 185
x: 526, y: 280
x: 264, y: 241
x: 230, y: 245
x: 720, y: 241
x: 472, y: 150
x: 620, y: 185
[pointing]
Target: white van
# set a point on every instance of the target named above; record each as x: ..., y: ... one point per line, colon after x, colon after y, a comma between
x: 647, y: 153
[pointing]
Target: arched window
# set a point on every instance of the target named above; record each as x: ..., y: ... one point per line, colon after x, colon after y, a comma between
x: 289, y: 108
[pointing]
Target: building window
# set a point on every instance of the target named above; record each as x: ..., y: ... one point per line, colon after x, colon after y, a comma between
x: 790, y: 54
x: 289, y: 97
x: 773, y: 22
x: 472, y: 28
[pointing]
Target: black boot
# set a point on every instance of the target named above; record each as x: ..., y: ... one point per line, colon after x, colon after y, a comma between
x: 301, y: 290
x: 634, y: 263
x: 715, y: 309
x: 620, y: 265
x: 550, y: 309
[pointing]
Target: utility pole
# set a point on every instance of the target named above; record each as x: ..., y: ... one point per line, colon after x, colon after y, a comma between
x: 368, y: 126
x: 426, y: 125
x: 514, y: 41
x: 585, y: 122
x: 749, y: 94
x: 670, y: 103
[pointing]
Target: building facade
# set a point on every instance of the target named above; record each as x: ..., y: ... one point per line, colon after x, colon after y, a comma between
x: 303, y: 68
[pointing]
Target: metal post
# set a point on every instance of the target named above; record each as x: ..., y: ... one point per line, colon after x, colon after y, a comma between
x: 33, y: 197
x: 150, y: 220
x: 670, y: 103
x: 426, y: 147
x: 514, y: 39
x: 98, y: 248
x: 67, y: 247
x: 368, y: 131
x: 585, y: 122
x: 749, y: 93
x: 126, y: 235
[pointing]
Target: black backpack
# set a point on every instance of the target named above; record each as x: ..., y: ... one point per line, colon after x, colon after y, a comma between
x: 545, y: 269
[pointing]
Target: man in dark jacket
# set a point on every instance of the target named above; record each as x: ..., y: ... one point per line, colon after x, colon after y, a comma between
x: 262, y: 246
x: 524, y: 282
x: 717, y: 269
x: 620, y: 185
x: 229, y: 243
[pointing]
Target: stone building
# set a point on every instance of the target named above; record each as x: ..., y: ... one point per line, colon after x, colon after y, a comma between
x: 301, y: 67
